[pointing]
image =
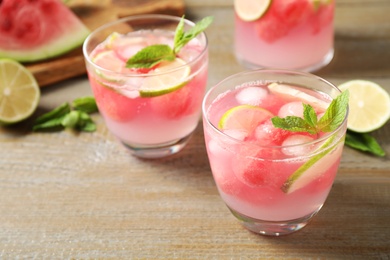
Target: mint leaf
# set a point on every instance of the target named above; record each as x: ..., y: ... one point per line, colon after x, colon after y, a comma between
x: 85, y: 104
x: 310, y: 116
x: 333, y: 117
x: 51, y: 124
x: 184, y: 37
x: 151, y: 55
x: 53, y: 114
x: 293, y: 124
x: 70, y: 120
x: 179, y: 33
x: 73, y: 116
x: 335, y: 113
x: 364, y: 142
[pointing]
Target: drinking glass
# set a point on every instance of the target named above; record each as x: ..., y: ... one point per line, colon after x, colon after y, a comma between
x: 153, y: 112
x: 290, y: 34
x: 257, y: 173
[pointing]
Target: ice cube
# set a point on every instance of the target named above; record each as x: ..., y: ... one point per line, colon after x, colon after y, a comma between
x: 251, y: 96
x: 291, y: 109
x: 238, y: 134
x: 297, y: 145
x: 267, y: 134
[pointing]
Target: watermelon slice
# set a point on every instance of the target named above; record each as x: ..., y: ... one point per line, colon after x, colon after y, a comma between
x: 39, y: 29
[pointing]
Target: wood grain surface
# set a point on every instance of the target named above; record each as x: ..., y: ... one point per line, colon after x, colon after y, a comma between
x: 94, y: 13
x: 65, y: 195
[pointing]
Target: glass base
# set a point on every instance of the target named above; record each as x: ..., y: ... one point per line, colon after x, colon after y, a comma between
x: 157, y: 151
x: 314, y: 67
x: 273, y: 228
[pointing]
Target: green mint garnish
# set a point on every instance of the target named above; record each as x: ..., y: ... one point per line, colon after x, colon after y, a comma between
x: 364, y: 142
x: 150, y: 56
x: 330, y: 121
x: 74, y: 116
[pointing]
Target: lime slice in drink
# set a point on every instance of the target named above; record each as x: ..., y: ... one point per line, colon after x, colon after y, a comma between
x: 250, y: 10
x: 314, y: 167
x: 109, y: 60
x: 167, y: 77
x: 19, y: 92
x: 290, y: 92
x: 369, y: 105
x: 244, y: 118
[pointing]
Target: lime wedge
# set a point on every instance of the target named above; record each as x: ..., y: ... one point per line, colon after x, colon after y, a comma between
x: 19, y: 92
x: 314, y: 167
x: 244, y: 118
x: 369, y: 105
x: 250, y: 10
x: 160, y: 81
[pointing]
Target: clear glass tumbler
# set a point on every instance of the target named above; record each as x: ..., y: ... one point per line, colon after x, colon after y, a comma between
x: 286, y: 34
x: 153, y: 112
x: 272, y: 180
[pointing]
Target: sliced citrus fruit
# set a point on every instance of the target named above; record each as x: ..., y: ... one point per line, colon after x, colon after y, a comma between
x: 314, y: 167
x: 369, y: 105
x: 250, y: 10
x: 19, y: 92
x: 167, y: 77
x: 244, y: 118
x: 109, y: 60
x: 293, y: 93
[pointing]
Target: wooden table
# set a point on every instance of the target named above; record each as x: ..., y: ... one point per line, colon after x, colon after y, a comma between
x: 82, y: 196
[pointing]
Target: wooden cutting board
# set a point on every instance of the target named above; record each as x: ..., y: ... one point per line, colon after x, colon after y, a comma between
x: 95, y: 13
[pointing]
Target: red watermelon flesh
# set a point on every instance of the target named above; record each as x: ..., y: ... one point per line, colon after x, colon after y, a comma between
x: 32, y: 30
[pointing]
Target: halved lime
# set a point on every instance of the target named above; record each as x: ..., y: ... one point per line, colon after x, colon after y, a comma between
x: 250, y: 10
x: 19, y: 92
x: 369, y: 105
x: 244, y: 118
x: 167, y: 77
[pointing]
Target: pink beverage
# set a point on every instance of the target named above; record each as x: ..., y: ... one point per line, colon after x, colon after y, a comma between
x: 252, y: 161
x: 152, y: 111
x: 291, y: 34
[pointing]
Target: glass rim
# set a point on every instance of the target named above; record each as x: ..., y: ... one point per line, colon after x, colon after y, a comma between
x: 137, y: 17
x: 284, y: 71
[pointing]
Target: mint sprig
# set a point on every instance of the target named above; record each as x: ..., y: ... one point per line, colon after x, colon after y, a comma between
x: 69, y: 116
x: 151, y: 55
x: 364, y: 142
x: 330, y: 121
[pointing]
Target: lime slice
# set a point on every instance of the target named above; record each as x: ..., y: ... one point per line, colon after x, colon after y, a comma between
x: 369, y: 105
x: 250, y: 10
x: 161, y: 81
x: 108, y: 60
x: 314, y: 167
x: 19, y: 92
x: 244, y: 118
x: 292, y: 93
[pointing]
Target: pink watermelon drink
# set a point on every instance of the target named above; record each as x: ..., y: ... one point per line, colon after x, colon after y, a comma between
x: 153, y: 111
x: 272, y: 179
x: 289, y: 34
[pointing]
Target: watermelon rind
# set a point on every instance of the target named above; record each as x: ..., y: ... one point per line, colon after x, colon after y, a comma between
x: 61, y: 45
x: 38, y: 30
